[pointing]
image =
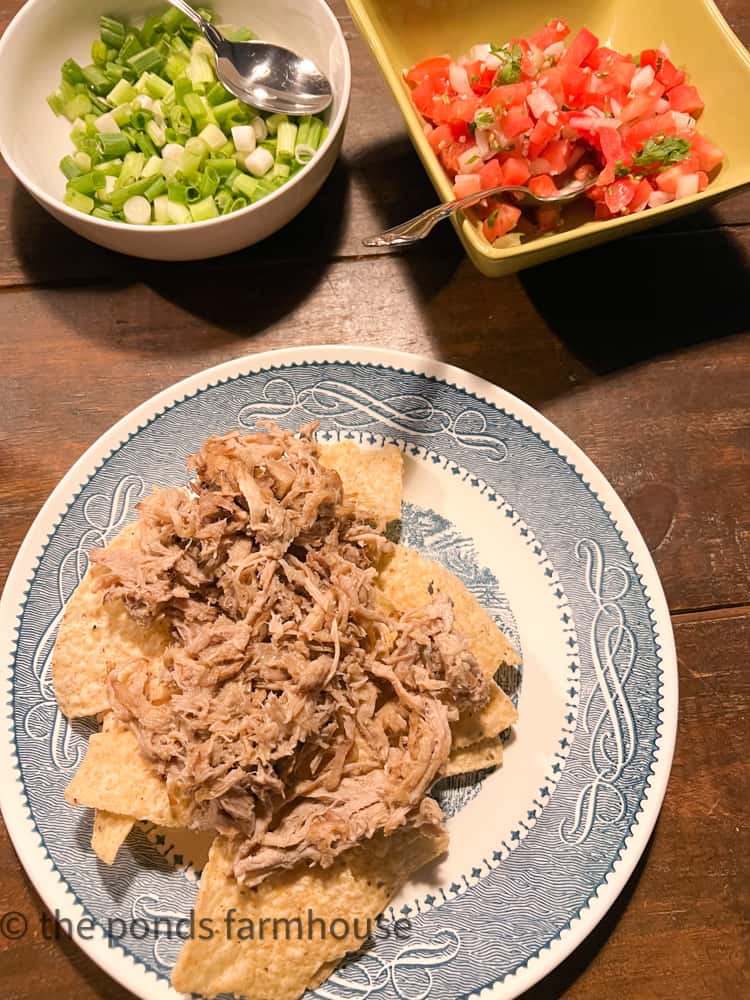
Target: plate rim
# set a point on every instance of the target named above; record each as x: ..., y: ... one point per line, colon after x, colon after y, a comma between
x: 41, y: 871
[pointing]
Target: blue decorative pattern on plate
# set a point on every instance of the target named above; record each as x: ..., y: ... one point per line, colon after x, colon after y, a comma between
x: 541, y: 847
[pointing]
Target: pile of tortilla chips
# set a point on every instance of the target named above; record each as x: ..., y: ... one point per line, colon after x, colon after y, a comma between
x: 123, y: 787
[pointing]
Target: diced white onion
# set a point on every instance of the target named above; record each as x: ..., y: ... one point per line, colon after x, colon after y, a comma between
x: 106, y: 123
x: 179, y: 214
x: 173, y: 151
x: 659, y: 198
x: 664, y: 49
x: 642, y: 79
x: 539, y: 101
x: 469, y: 162
x: 661, y: 106
x: 244, y: 139
x: 153, y: 166
x: 536, y: 58
x: 555, y: 50
x: 213, y: 137
x: 161, y: 208
x: 137, y: 211
x: 467, y: 184
x: 479, y: 53
x: 459, y: 79
x: 260, y: 128
x: 616, y: 107
x: 539, y: 166
x: 687, y: 185
x: 483, y: 143
x: 259, y: 162
x: 508, y: 241
x: 683, y: 121
x: 170, y: 168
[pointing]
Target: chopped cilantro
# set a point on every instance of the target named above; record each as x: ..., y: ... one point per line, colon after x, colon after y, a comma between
x: 484, y: 118
x: 492, y: 219
x: 637, y: 61
x: 510, y: 71
x: 662, y: 151
x: 473, y: 79
x: 621, y: 170
x: 472, y: 126
x: 601, y: 75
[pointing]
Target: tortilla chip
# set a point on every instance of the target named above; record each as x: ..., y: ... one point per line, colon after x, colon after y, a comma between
x: 115, y: 776
x: 358, y: 885
x: 93, y: 631
x: 477, y: 757
x: 372, y: 478
x: 493, y: 719
x: 409, y: 579
x: 110, y: 831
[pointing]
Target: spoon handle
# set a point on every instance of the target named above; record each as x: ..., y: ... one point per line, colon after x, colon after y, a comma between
x: 417, y: 228
x: 213, y: 36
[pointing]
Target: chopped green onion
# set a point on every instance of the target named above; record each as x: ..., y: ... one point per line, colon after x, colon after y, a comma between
x: 120, y: 195
x: 177, y: 192
x: 244, y: 185
x: 218, y: 94
x: 146, y: 61
x: 286, y: 141
x: 99, y: 52
x: 72, y: 72
x: 80, y: 202
x: 122, y: 93
x: 129, y: 47
x: 171, y: 19
x: 111, y: 31
x: 203, y: 210
x: 70, y: 168
x: 238, y: 204
x: 178, y: 213
x: 273, y: 122
x: 156, y: 188
x: 180, y: 120
x: 113, y: 145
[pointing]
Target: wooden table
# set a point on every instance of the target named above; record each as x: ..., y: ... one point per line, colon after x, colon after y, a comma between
x: 639, y: 350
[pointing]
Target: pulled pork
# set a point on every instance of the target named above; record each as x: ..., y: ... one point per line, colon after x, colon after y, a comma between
x: 290, y: 711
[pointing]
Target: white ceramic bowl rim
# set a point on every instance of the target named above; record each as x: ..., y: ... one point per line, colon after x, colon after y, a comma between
x: 46, y: 199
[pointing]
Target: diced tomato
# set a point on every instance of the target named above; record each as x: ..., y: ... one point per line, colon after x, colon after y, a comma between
x: 500, y: 221
x: 668, y: 179
x: 516, y: 170
x: 556, y: 153
x: 640, y: 198
x: 653, y: 58
x: 595, y: 193
x: 553, y: 32
x: 609, y: 174
x: 601, y: 212
x: 423, y: 97
x: 635, y: 136
x: 586, y: 172
x: 440, y: 137
x: 466, y: 184
x: 460, y: 109
x: 429, y: 69
x: 543, y: 186
x: 548, y: 217
x: 575, y: 84
x: 641, y: 106
x: 491, y: 175
x: 516, y: 122
x: 702, y: 180
x: 669, y: 75
x: 685, y: 98
x: 481, y: 77
x: 543, y: 133
x: 580, y: 48
x: 617, y: 196
x: 611, y: 66
x: 612, y: 147
x: 551, y: 81
x: 709, y: 156
x: 507, y: 96
x: 449, y: 157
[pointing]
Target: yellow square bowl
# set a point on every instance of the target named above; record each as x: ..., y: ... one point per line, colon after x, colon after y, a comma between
x: 402, y: 32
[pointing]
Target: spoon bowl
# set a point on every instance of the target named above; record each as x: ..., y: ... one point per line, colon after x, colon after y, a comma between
x: 266, y: 76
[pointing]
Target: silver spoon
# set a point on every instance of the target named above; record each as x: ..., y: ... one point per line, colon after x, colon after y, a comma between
x: 421, y: 225
x: 263, y: 75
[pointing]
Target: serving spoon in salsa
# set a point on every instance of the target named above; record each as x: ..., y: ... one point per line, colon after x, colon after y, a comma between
x: 422, y: 225
x: 264, y: 75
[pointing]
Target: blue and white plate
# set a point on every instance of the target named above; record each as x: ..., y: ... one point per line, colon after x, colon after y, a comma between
x: 540, y: 848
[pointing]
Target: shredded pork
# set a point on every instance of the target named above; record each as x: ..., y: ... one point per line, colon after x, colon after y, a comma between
x: 291, y: 711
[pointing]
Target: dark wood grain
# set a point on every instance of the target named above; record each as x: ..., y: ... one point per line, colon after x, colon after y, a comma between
x: 639, y: 350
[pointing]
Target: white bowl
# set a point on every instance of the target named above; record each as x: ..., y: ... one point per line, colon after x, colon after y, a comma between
x: 33, y: 140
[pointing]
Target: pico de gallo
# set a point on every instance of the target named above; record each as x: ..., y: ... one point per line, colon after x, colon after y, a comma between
x: 536, y: 109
